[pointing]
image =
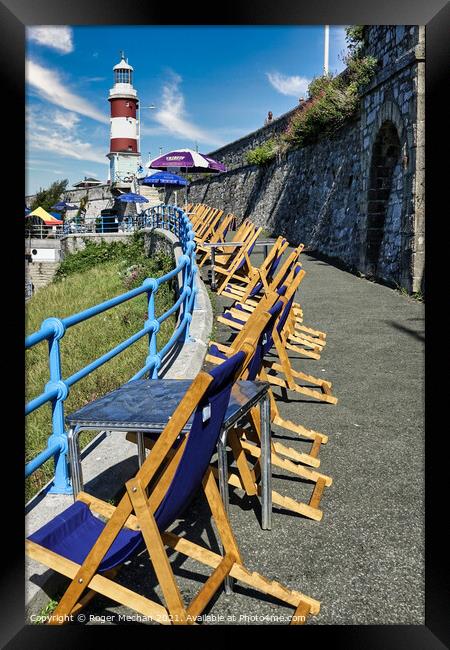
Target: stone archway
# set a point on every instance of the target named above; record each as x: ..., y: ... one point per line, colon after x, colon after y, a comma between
x: 384, y: 205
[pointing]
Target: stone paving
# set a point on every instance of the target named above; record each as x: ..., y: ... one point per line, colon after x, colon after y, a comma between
x: 365, y: 560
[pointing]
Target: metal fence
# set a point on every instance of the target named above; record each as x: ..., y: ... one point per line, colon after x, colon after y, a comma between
x: 52, y: 331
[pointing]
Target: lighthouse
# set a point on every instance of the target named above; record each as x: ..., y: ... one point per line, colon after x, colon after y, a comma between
x: 124, y: 156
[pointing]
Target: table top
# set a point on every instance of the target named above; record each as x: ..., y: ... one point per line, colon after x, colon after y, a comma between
x: 148, y: 404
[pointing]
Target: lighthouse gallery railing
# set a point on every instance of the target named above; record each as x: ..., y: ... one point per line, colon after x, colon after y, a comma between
x: 52, y: 330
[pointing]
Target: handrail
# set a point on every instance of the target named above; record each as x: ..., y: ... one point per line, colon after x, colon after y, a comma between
x: 167, y: 217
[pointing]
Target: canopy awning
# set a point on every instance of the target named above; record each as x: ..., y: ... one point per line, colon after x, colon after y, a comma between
x: 47, y: 218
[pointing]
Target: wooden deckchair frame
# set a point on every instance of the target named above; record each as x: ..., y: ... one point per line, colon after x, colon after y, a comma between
x: 135, y: 510
x: 284, y: 367
x: 216, y: 237
x: 208, y: 226
x: 276, y: 417
x: 224, y: 252
x: 242, y: 255
x: 200, y: 210
x: 293, y: 337
x: 258, y: 274
x: 276, y: 283
x: 246, y: 443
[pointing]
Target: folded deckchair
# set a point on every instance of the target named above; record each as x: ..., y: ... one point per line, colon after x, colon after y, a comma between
x: 246, y: 442
x: 293, y: 338
x: 216, y: 236
x: 238, y: 263
x: 259, y: 278
x: 247, y: 299
x: 207, y: 226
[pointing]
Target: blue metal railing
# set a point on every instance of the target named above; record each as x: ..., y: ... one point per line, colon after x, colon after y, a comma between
x: 52, y: 330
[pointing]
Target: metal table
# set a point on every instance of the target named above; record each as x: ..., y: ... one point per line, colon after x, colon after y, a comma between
x: 146, y: 405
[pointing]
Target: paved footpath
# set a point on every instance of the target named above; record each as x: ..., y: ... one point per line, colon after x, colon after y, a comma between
x: 364, y: 560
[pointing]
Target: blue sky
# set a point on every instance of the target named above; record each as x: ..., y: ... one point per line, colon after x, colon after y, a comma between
x: 209, y: 85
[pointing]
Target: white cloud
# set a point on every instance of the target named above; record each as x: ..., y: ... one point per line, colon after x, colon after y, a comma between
x: 45, y: 134
x: 171, y: 115
x: 66, y: 119
x: 296, y: 86
x: 58, y: 38
x: 50, y: 87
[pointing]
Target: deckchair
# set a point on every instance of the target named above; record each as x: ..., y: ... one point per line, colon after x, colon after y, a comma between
x: 248, y: 299
x: 218, y: 351
x: 79, y: 545
x: 207, y: 226
x: 204, y: 232
x: 246, y: 442
x: 285, y: 368
x: 229, y: 248
x: 236, y: 316
x: 215, y: 237
x: 239, y: 262
x: 259, y: 278
x: 203, y: 222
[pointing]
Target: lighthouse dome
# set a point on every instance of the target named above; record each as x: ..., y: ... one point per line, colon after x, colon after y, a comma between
x: 123, y: 65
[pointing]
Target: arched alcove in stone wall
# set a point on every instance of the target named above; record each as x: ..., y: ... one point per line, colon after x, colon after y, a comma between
x: 384, y: 204
x: 386, y: 234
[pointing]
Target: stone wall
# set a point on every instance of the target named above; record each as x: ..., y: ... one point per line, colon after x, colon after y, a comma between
x: 357, y: 196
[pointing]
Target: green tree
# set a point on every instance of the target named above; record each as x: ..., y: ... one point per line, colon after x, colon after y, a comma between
x: 48, y: 197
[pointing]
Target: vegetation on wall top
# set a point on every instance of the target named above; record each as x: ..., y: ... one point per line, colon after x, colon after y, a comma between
x: 332, y: 100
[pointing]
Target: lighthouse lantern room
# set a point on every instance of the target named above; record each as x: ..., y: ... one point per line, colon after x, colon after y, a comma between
x: 123, y: 153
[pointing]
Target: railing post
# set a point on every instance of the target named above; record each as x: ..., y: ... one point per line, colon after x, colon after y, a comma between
x: 153, y: 357
x: 61, y: 483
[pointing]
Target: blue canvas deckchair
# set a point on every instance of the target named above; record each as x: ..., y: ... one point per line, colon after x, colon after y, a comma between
x: 247, y: 441
x: 79, y: 545
x: 303, y: 343
x: 236, y: 319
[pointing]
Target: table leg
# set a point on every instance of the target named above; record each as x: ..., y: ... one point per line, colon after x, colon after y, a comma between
x: 76, y: 472
x: 266, y: 469
x: 213, y: 270
x: 141, y: 448
x: 222, y: 462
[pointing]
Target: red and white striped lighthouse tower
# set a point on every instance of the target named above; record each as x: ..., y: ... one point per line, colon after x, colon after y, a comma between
x: 123, y: 153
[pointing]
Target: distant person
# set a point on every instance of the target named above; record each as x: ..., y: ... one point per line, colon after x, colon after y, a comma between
x: 269, y: 118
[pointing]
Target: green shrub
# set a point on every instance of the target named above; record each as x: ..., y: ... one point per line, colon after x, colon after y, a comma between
x: 130, y: 254
x: 332, y: 101
x: 262, y: 154
x: 355, y: 37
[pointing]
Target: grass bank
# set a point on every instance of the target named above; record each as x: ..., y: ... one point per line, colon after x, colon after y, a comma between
x: 104, y: 273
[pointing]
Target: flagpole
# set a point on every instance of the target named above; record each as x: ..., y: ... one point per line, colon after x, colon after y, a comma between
x: 326, y: 49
